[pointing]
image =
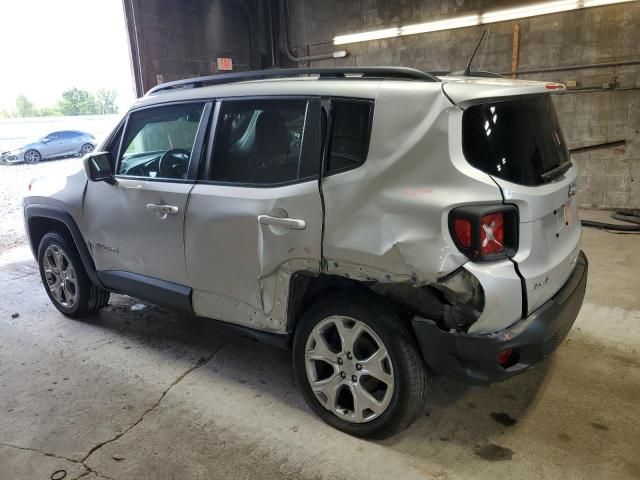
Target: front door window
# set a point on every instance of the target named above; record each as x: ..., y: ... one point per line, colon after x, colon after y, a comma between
x: 159, y: 141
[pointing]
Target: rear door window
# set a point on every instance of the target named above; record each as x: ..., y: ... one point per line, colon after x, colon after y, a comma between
x: 350, y: 133
x: 260, y: 142
x: 515, y: 140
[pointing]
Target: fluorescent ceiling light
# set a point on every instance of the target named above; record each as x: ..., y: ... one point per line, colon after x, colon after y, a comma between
x: 449, y: 24
x: 365, y: 36
x: 471, y: 20
x: 529, y: 11
x: 597, y: 3
x: 436, y: 26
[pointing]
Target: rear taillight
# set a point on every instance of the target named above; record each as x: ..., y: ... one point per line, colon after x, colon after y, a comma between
x: 485, y: 232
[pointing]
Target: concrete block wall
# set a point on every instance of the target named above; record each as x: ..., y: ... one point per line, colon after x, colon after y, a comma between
x: 182, y: 38
x: 589, y: 114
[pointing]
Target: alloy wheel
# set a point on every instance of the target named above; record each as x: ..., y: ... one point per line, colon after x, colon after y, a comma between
x: 349, y: 369
x: 60, y: 276
x: 87, y: 148
x: 32, y: 156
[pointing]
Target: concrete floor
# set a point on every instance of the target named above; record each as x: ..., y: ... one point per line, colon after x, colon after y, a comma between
x: 142, y: 392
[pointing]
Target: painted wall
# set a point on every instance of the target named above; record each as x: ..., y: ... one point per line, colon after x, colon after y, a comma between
x: 179, y: 39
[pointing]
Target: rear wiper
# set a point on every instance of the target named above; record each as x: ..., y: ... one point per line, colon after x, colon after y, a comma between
x: 556, y: 171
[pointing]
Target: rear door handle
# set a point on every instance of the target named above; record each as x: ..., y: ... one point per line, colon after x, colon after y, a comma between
x: 163, y: 209
x: 290, y: 223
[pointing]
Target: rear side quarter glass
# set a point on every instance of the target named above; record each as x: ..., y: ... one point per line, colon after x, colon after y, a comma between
x: 350, y: 134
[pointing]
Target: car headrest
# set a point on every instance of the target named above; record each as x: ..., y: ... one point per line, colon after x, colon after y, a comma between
x: 272, y: 136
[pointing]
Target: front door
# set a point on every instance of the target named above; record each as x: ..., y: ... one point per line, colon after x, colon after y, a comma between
x: 52, y: 145
x: 256, y: 217
x: 137, y: 224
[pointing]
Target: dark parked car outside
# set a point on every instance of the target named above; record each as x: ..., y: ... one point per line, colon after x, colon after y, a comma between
x: 64, y: 143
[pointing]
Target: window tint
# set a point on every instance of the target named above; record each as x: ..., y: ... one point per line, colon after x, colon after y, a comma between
x: 54, y: 136
x: 259, y: 141
x: 350, y: 134
x: 515, y: 140
x: 158, y: 141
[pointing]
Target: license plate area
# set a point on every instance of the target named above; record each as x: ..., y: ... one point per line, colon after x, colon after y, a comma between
x: 565, y: 217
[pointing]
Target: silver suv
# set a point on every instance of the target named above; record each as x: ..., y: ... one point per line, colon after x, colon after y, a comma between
x: 383, y: 223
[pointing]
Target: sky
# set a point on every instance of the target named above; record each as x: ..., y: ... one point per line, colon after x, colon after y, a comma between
x: 48, y: 46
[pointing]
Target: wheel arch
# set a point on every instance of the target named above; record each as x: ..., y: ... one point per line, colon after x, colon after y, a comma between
x: 306, y: 288
x: 41, y: 219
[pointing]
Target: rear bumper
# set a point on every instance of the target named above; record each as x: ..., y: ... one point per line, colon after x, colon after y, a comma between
x: 474, y: 359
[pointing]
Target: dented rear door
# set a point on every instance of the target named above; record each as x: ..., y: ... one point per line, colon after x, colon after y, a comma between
x: 256, y: 216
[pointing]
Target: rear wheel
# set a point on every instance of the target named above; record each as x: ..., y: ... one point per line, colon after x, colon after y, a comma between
x: 32, y: 156
x: 358, y: 366
x: 65, y: 279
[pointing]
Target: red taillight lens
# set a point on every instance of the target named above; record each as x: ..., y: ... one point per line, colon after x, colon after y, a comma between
x: 485, y: 232
x: 462, y: 230
x: 492, y: 233
x: 504, y: 356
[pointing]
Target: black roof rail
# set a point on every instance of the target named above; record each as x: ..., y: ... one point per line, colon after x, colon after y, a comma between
x: 398, y: 73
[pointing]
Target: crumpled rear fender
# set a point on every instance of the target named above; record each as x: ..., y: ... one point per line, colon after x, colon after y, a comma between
x: 387, y: 220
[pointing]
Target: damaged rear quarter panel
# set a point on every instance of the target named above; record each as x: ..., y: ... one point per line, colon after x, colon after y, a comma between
x: 387, y: 220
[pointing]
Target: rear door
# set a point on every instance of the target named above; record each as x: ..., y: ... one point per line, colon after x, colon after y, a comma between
x: 518, y: 141
x: 72, y: 142
x: 256, y: 215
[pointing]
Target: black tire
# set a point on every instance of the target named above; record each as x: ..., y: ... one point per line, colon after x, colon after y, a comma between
x: 86, y: 149
x: 90, y: 298
x: 34, y: 157
x: 410, y: 373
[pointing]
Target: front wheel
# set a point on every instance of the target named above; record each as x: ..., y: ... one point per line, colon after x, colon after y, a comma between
x: 32, y: 156
x: 65, y: 279
x: 358, y: 367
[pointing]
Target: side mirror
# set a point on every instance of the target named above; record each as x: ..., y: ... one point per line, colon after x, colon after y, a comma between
x: 98, y: 168
x: 45, y: 140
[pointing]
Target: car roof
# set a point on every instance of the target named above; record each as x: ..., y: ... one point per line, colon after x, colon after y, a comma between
x: 303, y: 86
x: 458, y: 88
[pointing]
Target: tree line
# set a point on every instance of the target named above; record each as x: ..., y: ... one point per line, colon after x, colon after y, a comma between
x: 74, y: 101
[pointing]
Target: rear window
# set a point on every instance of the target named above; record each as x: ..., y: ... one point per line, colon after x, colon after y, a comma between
x: 515, y: 140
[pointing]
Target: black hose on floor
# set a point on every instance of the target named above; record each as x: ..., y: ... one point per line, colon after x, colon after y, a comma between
x: 626, y: 215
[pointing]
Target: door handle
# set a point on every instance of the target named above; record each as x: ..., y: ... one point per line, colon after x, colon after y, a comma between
x: 163, y: 209
x: 290, y: 223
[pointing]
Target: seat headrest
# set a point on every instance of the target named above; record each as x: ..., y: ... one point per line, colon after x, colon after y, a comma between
x: 272, y: 136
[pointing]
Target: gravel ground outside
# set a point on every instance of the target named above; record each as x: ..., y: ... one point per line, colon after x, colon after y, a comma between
x: 14, y: 182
